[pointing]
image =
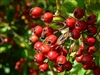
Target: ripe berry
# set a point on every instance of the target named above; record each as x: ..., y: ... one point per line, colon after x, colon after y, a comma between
x: 90, y: 41
x: 47, y: 30
x: 63, y: 51
x: 79, y: 58
x: 37, y: 46
x: 80, y: 51
x: 47, y: 17
x: 70, y: 22
x: 92, y: 30
x: 36, y: 12
x: 33, y: 38
x: 39, y: 58
x: 33, y: 72
x: 51, y: 39
x: 78, y: 13
x: 43, y: 67
x: 91, y: 19
x: 81, y: 25
x: 96, y: 71
x: 52, y: 55
x: 45, y: 49
x: 61, y: 60
x: 91, y: 49
x: 68, y: 65
x: 86, y: 59
x: 75, y: 34
x: 37, y: 30
x: 59, y: 68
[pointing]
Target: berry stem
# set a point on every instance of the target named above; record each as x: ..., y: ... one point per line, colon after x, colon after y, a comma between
x: 58, y: 4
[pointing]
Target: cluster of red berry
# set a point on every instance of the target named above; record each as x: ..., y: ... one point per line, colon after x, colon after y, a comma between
x: 52, y: 47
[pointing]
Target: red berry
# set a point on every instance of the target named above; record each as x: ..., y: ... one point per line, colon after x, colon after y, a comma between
x: 61, y: 60
x: 39, y: 58
x: 91, y: 19
x: 78, y: 13
x: 43, y: 67
x: 96, y: 71
x: 91, y: 49
x: 37, y: 30
x: 68, y: 65
x: 80, y: 51
x: 22, y: 60
x: 90, y: 41
x: 63, y: 51
x: 70, y: 22
x: 47, y: 30
x: 51, y: 39
x: 52, y: 55
x: 79, y: 58
x: 36, y: 12
x: 33, y: 72
x: 86, y: 59
x: 59, y: 68
x: 47, y: 17
x: 75, y: 34
x: 81, y: 25
x: 33, y: 38
x: 37, y: 45
x: 45, y: 49
x: 92, y: 30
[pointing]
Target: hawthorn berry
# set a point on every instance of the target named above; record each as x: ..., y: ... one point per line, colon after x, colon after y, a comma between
x: 39, y: 58
x: 36, y: 12
x: 79, y: 58
x: 91, y: 49
x: 43, y: 67
x: 92, y: 30
x: 37, y: 30
x: 70, y: 22
x: 37, y: 45
x: 86, y: 58
x: 51, y: 39
x: 68, y: 65
x: 33, y: 38
x: 47, y: 17
x: 52, y: 55
x: 91, y: 19
x: 59, y: 68
x: 81, y: 25
x: 75, y: 34
x: 61, y: 60
x: 47, y: 30
x: 44, y: 48
x: 78, y: 13
x: 90, y: 41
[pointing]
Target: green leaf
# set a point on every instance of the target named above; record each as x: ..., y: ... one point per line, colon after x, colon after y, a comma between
x: 98, y: 18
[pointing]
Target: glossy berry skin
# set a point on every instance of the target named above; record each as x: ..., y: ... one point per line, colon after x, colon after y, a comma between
x: 39, y: 58
x: 81, y: 25
x: 47, y: 17
x: 47, y: 30
x: 52, y: 55
x: 63, y: 51
x: 80, y: 51
x: 36, y: 12
x: 45, y: 49
x: 70, y: 22
x: 51, y: 39
x: 75, y: 34
x: 33, y: 38
x: 92, y: 30
x: 78, y: 13
x: 37, y: 45
x: 43, y: 67
x: 90, y: 41
x: 68, y: 65
x: 61, y: 60
x: 59, y: 69
x: 37, y: 30
x: 86, y: 59
x: 79, y: 58
x: 91, y: 49
x: 91, y: 19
